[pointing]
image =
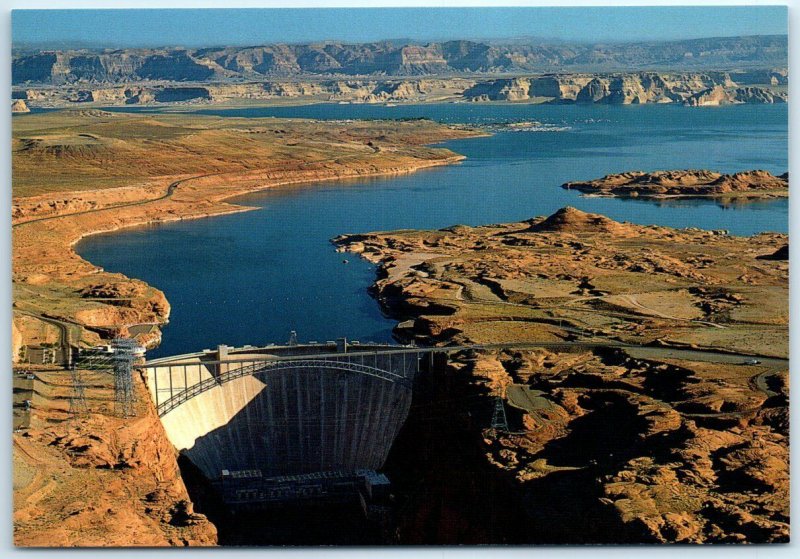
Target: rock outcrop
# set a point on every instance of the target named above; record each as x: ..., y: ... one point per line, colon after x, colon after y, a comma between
x: 572, y: 220
x: 719, y: 95
x: 98, y: 480
x: 19, y: 106
x: 694, y: 89
x: 627, y: 423
x: 691, y: 89
x: 687, y: 183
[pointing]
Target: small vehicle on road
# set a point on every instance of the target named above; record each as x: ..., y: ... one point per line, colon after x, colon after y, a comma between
x: 752, y: 362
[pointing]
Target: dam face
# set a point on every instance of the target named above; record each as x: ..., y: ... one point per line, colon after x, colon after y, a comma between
x: 264, y: 418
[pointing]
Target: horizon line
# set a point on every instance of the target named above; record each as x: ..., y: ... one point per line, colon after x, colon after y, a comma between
x: 520, y: 40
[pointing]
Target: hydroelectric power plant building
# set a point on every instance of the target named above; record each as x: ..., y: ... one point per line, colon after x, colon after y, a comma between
x: 292, y: 422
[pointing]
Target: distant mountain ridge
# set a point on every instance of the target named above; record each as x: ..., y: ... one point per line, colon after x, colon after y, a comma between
x: 389, y: 58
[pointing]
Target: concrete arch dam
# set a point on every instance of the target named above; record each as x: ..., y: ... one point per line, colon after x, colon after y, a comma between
x: 284, y: 411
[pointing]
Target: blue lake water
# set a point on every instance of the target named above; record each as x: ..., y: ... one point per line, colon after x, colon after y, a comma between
x: 252, y: 277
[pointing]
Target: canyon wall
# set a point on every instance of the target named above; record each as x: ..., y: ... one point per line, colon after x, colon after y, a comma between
x: 710, y: 88
x: 58, y: 67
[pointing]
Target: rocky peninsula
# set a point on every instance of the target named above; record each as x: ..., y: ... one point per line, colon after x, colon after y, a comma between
x: 664, y: 416
x: 755, y: 184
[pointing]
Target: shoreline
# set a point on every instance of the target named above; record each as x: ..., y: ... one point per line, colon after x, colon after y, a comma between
x: 237, y: 208
x: 199, y: 202
x: 755, y: 196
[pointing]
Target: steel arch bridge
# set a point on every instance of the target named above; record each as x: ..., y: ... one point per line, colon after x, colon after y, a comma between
x: 352, y: 364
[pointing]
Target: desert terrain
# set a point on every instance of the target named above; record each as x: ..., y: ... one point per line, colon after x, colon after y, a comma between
x: 659, y: 406
x: 80, y: 474
x: 574, y: 379
x: 664, y: 416
x: 87, y: 477
x: 83, y: 172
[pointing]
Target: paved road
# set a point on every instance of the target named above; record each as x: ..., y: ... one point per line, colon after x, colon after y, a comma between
x: 644, y: 352
x: 169, y: 192
x: 641, y: 351
x: 63, y: 326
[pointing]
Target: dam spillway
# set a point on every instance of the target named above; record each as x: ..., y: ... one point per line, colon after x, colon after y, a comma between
x: 285, y: 415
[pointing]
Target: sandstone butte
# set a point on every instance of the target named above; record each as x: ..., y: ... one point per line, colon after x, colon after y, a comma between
x: 656, y: 441
x: 101, y: 480
x: 687, y: 184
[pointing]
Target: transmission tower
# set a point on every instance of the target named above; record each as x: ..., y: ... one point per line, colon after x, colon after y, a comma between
x: 124, y: 354
x: 292, y: 338
x: 77, y: 402
x: 499, y: 421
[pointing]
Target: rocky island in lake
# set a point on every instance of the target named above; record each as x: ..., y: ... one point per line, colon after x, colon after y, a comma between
x: 687, y: 184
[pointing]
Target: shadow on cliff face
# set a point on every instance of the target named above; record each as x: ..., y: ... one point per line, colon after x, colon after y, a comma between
x: 564, y: 507
x: 292, y: 525
x: 446, y: 491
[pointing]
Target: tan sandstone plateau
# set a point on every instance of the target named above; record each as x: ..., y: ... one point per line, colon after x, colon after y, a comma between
x: 655, y: 408
x: 98, y: 479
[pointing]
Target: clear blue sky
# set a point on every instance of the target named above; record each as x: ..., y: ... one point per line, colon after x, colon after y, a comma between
x: 115, y: 28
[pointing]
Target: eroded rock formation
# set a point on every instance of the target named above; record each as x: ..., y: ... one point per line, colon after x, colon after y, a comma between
x: 99, y: 480
x: 686, y: 183
x: 388, y: 58
x: 694, y: 89
x: 644, y: 417
x: 19, y: 106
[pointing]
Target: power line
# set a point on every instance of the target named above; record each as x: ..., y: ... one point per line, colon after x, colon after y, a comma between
x: 123, y: 356
x: 499, y: 420
x: 77, y: 402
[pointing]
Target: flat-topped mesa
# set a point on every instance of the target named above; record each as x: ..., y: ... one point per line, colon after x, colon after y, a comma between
x: 687, y: 183
x: 572, y: 220
x: 752, y: 56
